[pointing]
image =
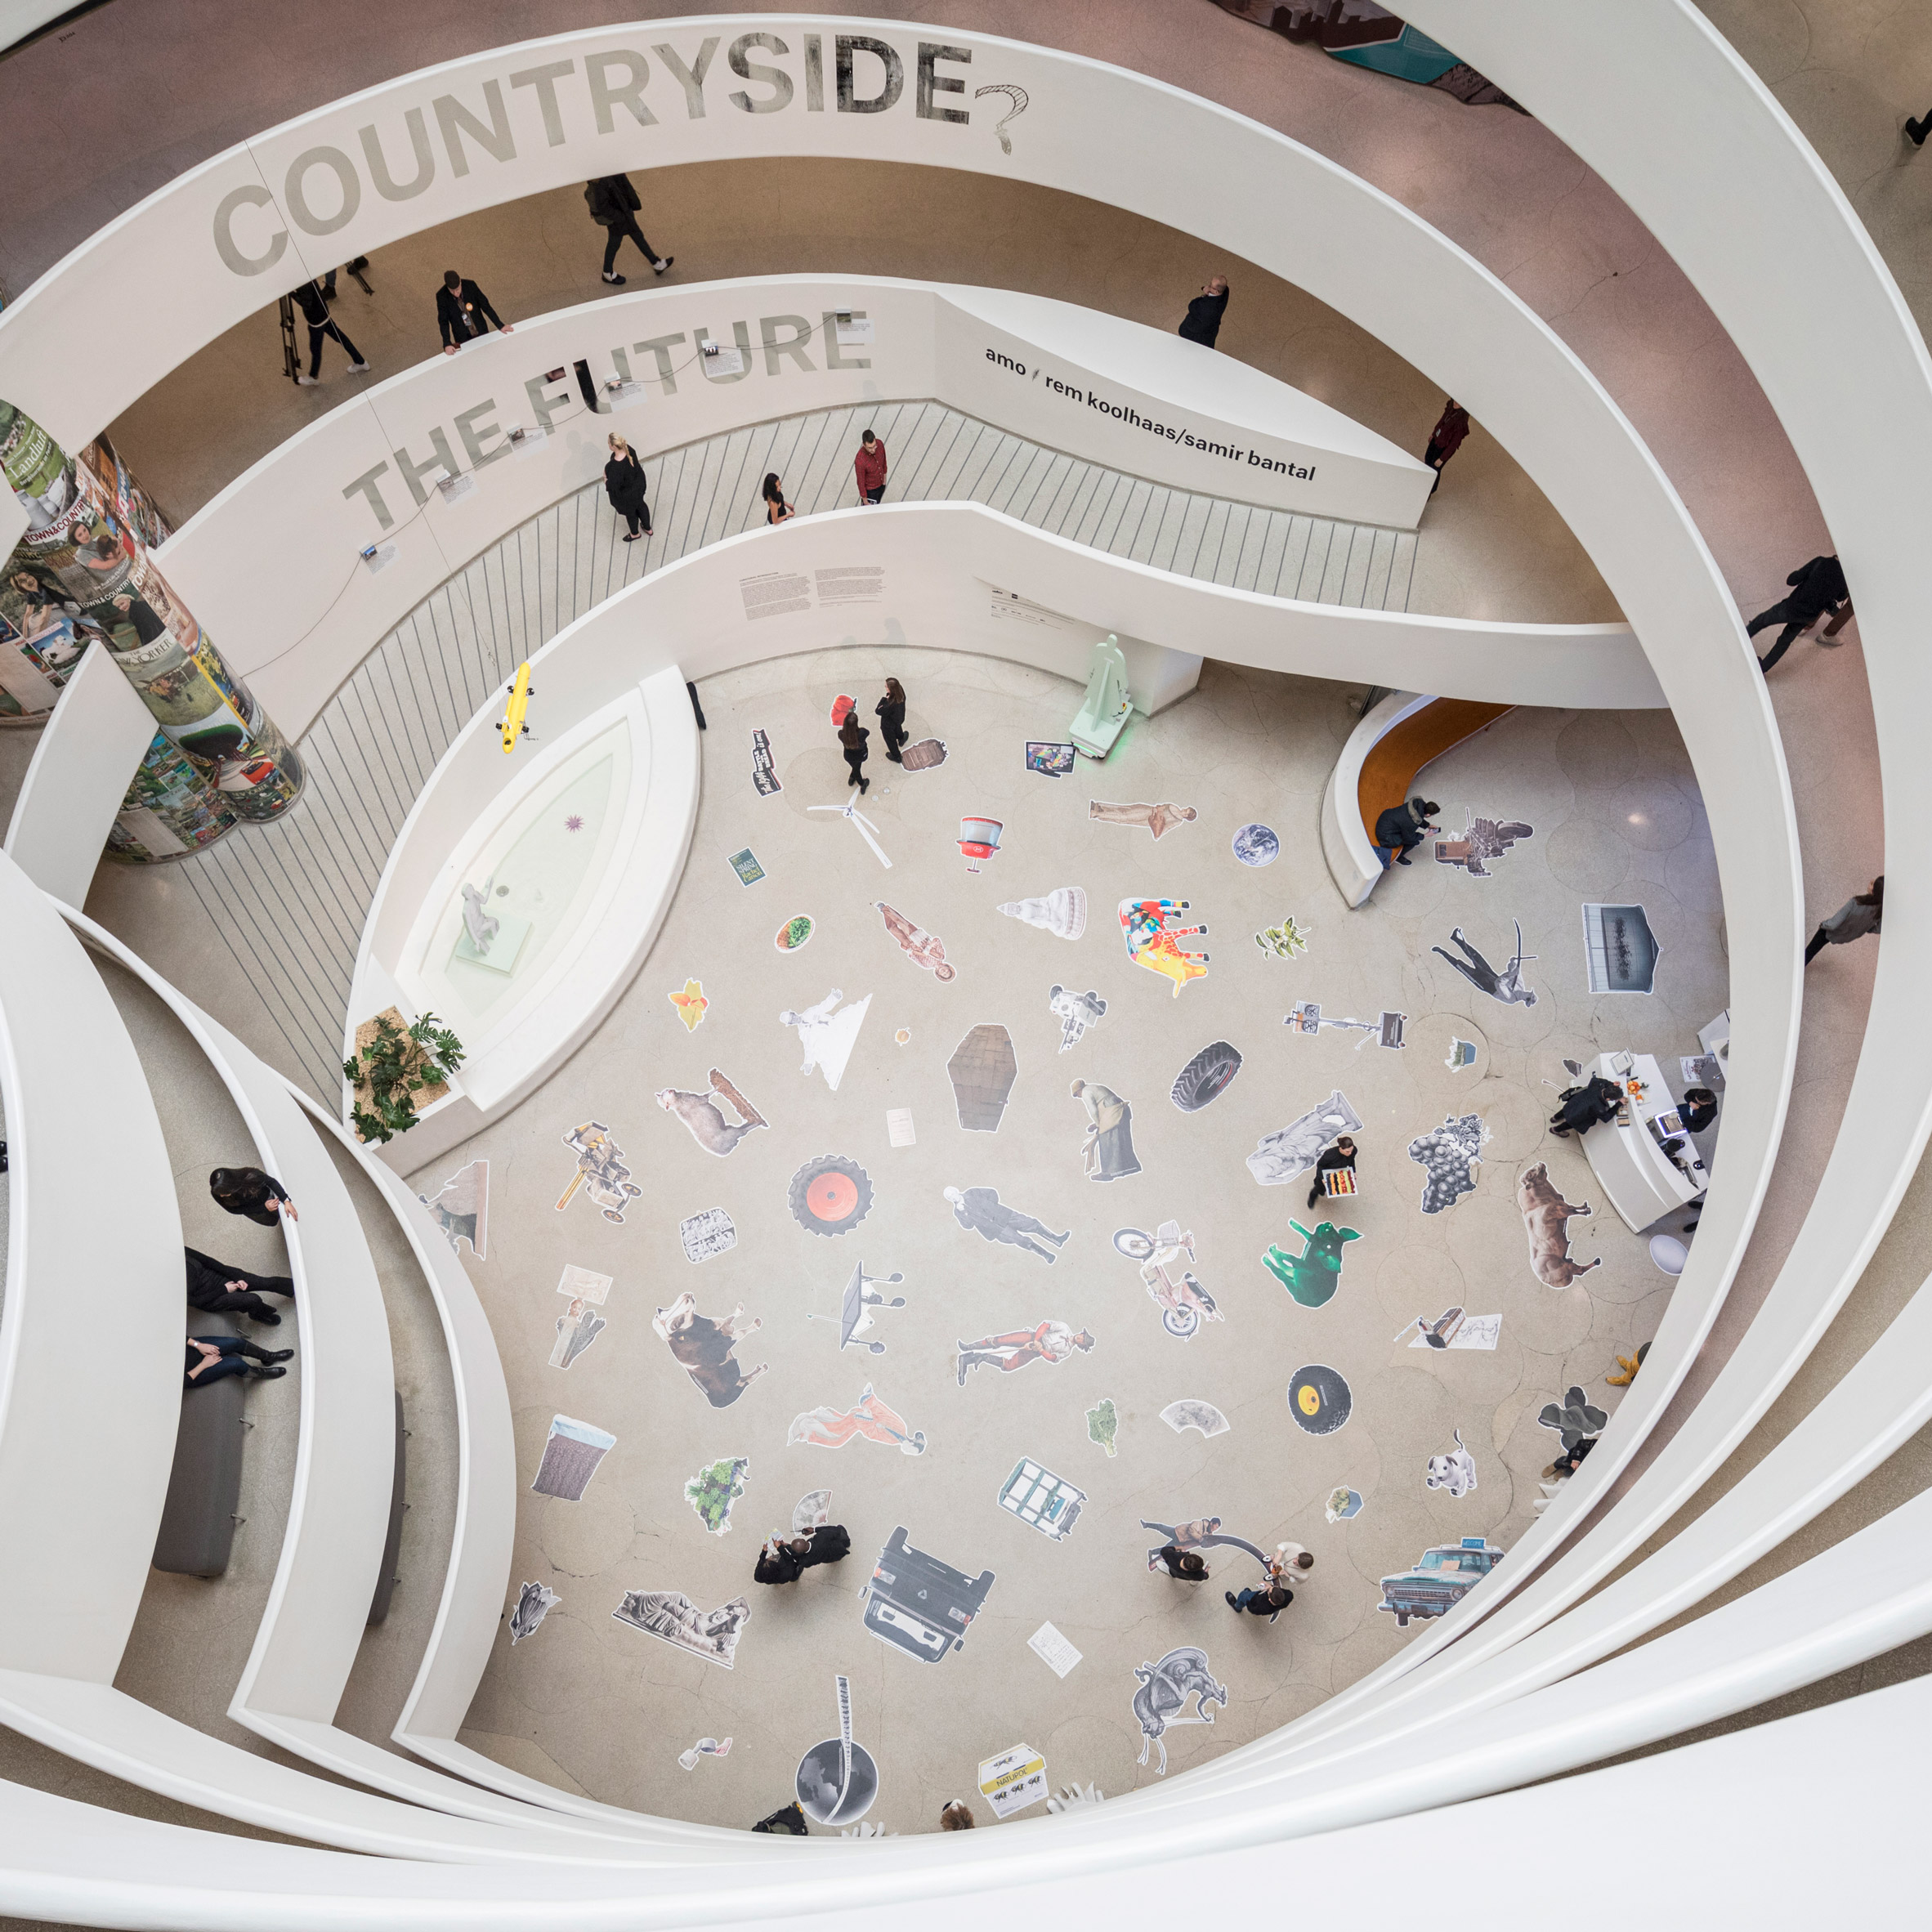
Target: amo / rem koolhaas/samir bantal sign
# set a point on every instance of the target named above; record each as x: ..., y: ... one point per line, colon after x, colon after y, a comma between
x: 1174, y: 432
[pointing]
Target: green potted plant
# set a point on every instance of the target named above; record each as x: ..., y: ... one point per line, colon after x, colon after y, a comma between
x: 396, y: 1070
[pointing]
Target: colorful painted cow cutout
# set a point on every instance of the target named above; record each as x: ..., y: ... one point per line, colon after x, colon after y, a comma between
x: 1153, y: 940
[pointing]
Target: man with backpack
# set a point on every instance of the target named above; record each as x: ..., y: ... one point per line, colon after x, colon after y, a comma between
x: 614, y: 203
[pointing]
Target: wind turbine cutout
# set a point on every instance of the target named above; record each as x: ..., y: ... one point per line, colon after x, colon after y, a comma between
x: 851, y: 811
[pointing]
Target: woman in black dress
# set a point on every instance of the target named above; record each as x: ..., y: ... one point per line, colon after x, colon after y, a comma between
x: 777, y: 510
x: 891, y: 710
x: 248, y: 1191
x: 624, y: 484
x: 853, y: 736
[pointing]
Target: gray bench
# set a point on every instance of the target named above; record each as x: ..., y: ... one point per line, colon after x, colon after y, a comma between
x: 198, y: 1522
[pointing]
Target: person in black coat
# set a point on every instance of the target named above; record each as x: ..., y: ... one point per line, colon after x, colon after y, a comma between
x: 214, y: 1357
x: 463, y: 312
x: 785, y: 1562
x: 624, y: 484
x: 1399, y: 829
x: 853, y: 736
x: 1817, y: 587
x: 315, y: 311
x: 614, y: 206
x: 1342, y: 1154
x: 1203, y: 322
x: 248, y: 1191
x: 890, y: 713
x: 1185, y: 1566
x: 1594, y: 1104
x: 1699, y: 1109
x: 216, y: 1288
x: 1269, y: 1601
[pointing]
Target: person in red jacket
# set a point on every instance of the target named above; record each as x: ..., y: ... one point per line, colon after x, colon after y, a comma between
x: 870, y: 467
x: 1446, y: 439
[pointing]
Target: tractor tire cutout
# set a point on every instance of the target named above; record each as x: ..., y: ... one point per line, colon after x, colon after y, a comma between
x: 1319, y: 1399
x: 831, y: 1195
x: 1205, y: 1077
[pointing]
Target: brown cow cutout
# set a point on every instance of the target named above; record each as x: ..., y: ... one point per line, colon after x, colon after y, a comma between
x: 703, y: 1347
x: 1545, y: 1215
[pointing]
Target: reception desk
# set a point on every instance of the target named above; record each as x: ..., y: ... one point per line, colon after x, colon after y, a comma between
x: 1643, y: 1183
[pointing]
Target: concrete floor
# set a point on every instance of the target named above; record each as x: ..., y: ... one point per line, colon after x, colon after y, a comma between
x: 589, y: 1701
x: 1499, y: 185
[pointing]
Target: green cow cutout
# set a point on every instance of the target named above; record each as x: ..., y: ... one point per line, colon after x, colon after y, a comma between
x: 1313, y: 1276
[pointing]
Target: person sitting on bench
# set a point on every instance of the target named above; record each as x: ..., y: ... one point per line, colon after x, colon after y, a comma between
x: 212, y: 1357
x: 216, y: 1288
x: 1399, y: 829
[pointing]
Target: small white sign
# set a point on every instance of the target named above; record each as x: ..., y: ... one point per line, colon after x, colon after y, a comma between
x: 526, y: 442
x: 378, y: 558
x: 453, y: 489
x: 584, y: 1284
x: 1053, y: 1649
x: 623, y: 396
x: 1013, y: 1780
x: 719, y: 361
x: 899, y: 1126
x: 854, y: 330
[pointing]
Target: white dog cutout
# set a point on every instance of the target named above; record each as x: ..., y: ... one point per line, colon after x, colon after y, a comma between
x: 1456, y: 1472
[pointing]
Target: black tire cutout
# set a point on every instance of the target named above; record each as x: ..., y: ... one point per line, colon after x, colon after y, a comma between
x: 1319, y: 1399
x: 1205, y: 1077
x: 831, y: 1195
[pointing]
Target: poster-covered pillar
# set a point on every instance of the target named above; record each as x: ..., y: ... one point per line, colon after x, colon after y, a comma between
x: 83, y: 575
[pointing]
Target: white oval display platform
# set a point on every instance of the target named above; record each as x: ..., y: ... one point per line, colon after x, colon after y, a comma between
x: 517, y: 916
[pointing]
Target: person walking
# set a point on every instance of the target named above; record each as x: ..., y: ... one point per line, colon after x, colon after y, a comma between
x: 214, y: 1357
x: 870, y: 467
x: 777, y: 510
x: 1399, y: 829
x: 1186, y: 1566
x: 614, y: 206
x: 463, y: 312
x: 1341, y: 1155
x: 1861, y: 914
x: 216, y: 1288
x: 853, y: 736
x: 890, y: 711
x: 954, y: 1816
x: 785, y: 1560
x: 624, y: 484
x: 1452, y: 428
x: 1202, y: 323
x: 1269, y: 1601
x: 1817, y: 587
x: 315, y: 309
x: 248, y: 1191
x: 1916, y: 131
x: 1291, y: 1560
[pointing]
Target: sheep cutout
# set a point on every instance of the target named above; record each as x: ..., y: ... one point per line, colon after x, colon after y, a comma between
x: 1455, y: 1471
